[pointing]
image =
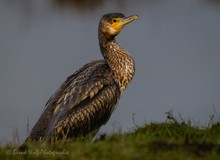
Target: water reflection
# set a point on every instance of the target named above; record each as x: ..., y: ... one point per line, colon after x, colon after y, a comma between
x: 215, y: 2
x: 88, y: 5
x: 80, y: 5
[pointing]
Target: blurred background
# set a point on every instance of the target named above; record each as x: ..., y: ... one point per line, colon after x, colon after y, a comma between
x: 175, y: 44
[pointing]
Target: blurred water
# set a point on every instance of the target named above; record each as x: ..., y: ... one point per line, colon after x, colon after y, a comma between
x: 176, y: 46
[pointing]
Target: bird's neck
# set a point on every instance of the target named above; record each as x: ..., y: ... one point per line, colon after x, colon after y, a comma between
x: 119, y: 60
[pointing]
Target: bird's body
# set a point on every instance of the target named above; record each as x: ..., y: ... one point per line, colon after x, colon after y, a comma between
x: 86, y: 100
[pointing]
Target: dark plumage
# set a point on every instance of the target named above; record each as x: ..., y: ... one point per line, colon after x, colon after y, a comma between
x: 86, y: 100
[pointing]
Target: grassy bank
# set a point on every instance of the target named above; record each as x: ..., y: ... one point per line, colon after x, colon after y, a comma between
x: 170, y: 140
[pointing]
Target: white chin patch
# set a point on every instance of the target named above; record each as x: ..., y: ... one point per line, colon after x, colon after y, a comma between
x: 113, y: 31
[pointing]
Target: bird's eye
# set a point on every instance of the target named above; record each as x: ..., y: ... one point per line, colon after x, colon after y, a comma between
x: 114, y: 20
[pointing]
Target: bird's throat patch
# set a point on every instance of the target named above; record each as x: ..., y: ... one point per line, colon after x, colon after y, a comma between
x: 117, y: 26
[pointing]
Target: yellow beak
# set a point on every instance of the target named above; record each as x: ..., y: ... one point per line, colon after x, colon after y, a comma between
x: 127, y: 20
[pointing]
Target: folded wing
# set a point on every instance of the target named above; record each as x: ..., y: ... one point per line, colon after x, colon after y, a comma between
x: 81, y: 104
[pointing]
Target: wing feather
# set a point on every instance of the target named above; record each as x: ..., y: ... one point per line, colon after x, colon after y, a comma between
x: 88, y: 115
x: 79, y: 89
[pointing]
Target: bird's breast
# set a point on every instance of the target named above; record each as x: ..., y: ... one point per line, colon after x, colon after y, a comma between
x: 125, y: 74
x: 123, y: 67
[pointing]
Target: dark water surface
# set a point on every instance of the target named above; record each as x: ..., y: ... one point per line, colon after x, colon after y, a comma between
x: 175, y: 43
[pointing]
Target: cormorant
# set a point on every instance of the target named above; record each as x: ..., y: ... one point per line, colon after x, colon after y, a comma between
x: 86, y: 100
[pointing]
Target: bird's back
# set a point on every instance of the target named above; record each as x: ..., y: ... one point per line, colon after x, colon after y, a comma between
x: 81, y: 104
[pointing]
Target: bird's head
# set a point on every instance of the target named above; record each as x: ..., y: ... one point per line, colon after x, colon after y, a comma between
x: 111, y: 24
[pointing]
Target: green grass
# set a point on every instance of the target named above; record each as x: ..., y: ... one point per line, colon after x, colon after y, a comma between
x: 175, y: 139
x: 167, y: 141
